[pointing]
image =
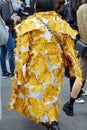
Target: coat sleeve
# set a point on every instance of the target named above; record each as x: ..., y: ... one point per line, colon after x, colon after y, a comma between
x: 67, y: 36
x: 72, y: 58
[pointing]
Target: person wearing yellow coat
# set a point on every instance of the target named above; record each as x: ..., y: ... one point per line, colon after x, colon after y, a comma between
x: 43, y: 42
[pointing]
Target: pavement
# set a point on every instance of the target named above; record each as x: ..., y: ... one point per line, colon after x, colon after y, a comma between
x: 13, y: 121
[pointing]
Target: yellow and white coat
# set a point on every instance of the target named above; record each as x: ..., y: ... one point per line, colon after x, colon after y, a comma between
x: 40, y: 66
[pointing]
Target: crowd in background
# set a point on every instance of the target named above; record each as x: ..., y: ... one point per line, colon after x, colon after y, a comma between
x: 12, y: 12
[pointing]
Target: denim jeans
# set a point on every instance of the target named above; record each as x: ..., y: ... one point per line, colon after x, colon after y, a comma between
x: 9, y: 47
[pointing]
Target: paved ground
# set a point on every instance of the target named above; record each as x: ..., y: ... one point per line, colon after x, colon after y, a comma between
x: 12, y: 120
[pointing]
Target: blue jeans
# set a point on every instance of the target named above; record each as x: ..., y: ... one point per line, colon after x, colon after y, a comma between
x: 9, y: 47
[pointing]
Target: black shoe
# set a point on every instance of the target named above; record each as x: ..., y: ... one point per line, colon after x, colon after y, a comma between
x: 53, y: 126
x: 6, y: 75
x: 68, y: 109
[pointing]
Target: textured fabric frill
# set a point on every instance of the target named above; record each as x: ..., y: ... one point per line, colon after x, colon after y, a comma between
x: 39, y: 71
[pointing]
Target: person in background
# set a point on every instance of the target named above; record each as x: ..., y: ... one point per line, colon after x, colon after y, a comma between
x: 82, y: 20
x: 17, y: 8
x: 43, y: 40
x: 59, y: 5
x: 10, y: 18
x: 69, y: 14
x: 32, y: 5
x: 27, y: 7
x: 17, y: 5
x: 27, y: 3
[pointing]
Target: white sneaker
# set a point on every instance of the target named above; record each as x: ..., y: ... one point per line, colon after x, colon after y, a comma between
x: 84, y: 93
x: 80, y: 100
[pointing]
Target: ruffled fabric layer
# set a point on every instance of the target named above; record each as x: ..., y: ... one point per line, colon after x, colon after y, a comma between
x: 39, y: 61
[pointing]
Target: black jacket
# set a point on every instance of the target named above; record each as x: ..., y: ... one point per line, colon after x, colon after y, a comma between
x: 6, y: 14
x: 70, y: 16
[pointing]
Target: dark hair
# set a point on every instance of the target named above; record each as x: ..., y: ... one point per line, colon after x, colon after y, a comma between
x: 44, y: 5
x: 59, y: 5
x: 76, y: 3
